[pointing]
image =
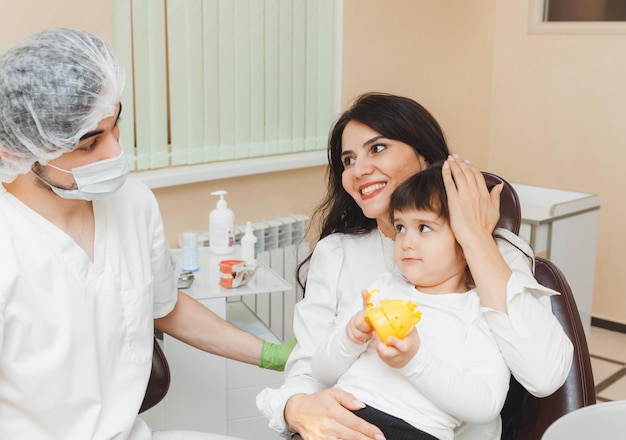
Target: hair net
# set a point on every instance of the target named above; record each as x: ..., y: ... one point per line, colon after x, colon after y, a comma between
x: 55, y: 86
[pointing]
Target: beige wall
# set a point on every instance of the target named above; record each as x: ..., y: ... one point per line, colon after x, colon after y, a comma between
x: 19, y: 19
x: 558, y: 120
x: 538, y: 109
x: 251, y: 198
x: 438, y: 52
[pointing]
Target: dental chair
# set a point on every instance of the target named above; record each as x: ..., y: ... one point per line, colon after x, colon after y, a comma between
x: 159, y: 381
x: 158, y: 384
x: 525, y: 417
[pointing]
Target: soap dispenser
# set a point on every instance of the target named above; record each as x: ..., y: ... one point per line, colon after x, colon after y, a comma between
x: 221, y: 226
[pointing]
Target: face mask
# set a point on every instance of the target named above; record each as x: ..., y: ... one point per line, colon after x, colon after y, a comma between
x: 94, y: 180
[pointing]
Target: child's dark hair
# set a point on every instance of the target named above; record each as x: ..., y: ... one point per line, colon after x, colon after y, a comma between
x: 422, y: 191
x: 425, y: 191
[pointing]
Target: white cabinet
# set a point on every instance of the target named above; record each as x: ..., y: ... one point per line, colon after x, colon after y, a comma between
x: 209, y: 393
x: 245, y: 381
x: 563, y: 227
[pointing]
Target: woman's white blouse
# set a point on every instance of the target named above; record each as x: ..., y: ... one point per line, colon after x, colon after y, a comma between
x: 530, y: 338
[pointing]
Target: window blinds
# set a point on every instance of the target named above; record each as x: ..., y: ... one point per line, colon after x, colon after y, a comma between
x: 217, y: 80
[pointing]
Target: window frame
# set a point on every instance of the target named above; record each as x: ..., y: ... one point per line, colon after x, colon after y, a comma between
x: 206, y: 172
x: 537, y: 25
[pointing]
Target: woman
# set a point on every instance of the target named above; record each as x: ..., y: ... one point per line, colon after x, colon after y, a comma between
x: 375, y: 146
x: 447, y: 368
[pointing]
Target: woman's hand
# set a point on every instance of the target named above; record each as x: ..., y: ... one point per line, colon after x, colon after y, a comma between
x: 325, y: 415
x: 474, y: 211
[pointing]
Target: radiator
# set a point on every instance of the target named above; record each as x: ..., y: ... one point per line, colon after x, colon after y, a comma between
x: 281, y: 246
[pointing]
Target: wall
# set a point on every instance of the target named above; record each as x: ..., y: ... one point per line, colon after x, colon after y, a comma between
x: 19, y: 19
x: 251, y: 198
x: 538, y: 109
x: 559, y: 104
x: 437, y: 52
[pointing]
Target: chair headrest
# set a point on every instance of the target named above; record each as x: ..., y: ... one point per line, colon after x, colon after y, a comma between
x: 510, y: 209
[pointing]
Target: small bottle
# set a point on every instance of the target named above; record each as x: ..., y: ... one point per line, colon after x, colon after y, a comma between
x: 221, y: 226
x: 248, y: 245
x: 190, y: 251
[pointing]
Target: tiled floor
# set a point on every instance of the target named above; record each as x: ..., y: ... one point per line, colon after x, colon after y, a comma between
x: 608, y: 361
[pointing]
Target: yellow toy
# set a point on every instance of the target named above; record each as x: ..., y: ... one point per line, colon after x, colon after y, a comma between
x: 393, y: 317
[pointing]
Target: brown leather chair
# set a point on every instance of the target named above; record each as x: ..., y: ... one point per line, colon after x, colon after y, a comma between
x: 159, y: 381
x: 510, y: 208
x: 525, y: 417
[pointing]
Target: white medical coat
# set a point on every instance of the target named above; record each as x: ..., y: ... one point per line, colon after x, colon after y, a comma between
x: 75, y: 335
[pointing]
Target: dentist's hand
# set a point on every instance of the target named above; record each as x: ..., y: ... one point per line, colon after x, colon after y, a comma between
x: 274, y: 356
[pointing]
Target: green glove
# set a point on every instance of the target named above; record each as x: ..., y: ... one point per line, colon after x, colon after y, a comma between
x: 274, y: 356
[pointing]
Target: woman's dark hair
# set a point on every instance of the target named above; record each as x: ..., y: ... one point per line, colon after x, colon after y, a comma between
x: 394, y: 117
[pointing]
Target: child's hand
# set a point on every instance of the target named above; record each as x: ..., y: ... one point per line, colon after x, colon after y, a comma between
x: 399, y: 351
x: 358, y: 329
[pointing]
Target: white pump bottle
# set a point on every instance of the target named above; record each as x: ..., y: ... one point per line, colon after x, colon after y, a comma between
x: 248, y: 245
x: 221, y: 226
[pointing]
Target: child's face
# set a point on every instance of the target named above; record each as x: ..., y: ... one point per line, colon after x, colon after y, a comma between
x: 427, y: 253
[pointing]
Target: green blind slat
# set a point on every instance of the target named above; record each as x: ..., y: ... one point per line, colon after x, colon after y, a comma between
x: 214, y: 80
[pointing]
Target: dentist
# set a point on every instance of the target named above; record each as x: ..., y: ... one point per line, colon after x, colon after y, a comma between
x: 86, y: 269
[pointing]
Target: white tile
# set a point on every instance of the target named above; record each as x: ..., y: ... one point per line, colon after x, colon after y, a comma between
x: 616, y: 391
x: 607, y: 344
x: 603, y: 369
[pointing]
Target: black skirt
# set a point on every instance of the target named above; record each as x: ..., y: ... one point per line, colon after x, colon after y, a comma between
x: 392, y: 427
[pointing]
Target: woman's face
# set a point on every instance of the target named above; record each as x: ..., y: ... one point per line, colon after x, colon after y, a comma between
x: 374, y: 167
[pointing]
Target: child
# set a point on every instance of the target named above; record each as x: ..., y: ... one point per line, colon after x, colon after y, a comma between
x: 448, y: 369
